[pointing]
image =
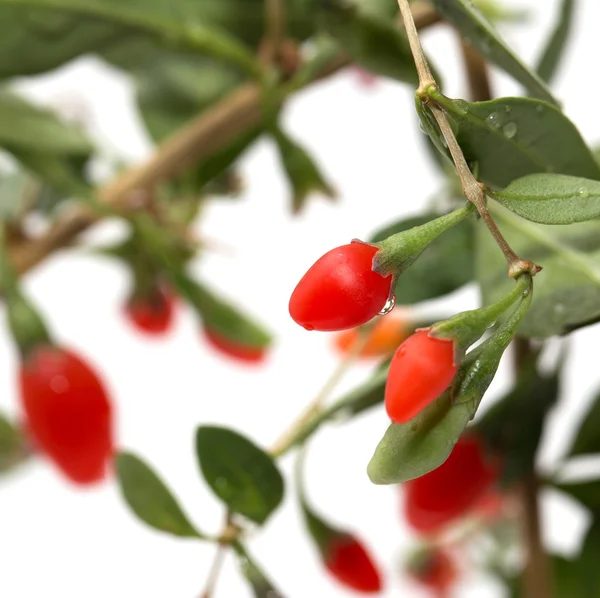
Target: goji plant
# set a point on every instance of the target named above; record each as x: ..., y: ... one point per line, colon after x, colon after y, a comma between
x: 520, y: 220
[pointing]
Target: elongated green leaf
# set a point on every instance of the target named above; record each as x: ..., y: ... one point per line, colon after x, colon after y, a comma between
x: 587, y: 493
x: 474, y: 27
x: 373, y: 42
x: 502, y: 137
x: 260, y: 584
x: 566, y: 292
x: 557, y: 42
x: 149, y: 498
x: 587, y: 439
x: 552, y: 198
x: 13, y: 446
x: 444, y: 266
x: 410, y: 450
x: 242, y: 475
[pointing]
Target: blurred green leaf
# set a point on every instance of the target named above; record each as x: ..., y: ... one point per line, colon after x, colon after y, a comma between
x: 552, y: 198
x: 261, y: 586
x: 557, y: 42
x: 567, y: 290
x: 13, y: 446
x: 13, y: 187
x: 587, y: 439
x: 410, y: 450
x: 473, y: 26
x: 444, y: 266
x: 242, y: 475
x: 502, y: 137
x: 587, y: 562
x: 149, y: 498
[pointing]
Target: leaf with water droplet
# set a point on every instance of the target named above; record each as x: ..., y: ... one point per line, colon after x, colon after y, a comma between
x: 241, y: 474
x: 552, y: 198
x: 473, y: 25
x: 150, y: 499
x: 508, y: 145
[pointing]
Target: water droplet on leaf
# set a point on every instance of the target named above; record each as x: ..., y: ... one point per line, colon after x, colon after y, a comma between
x: 494, y: 120
x: 221, y: 483
x: 583, y: 192
x: 510, y: 130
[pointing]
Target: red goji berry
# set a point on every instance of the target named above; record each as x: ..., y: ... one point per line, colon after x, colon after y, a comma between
x: 451, y: 491
x: 350, y: 563
x: 383, y: 339
x: 237, y: 351
x: 435, y: 570
x: 421, y: 370
x: 152, y: 314
x: 340, y: 290
x: 67, y: 412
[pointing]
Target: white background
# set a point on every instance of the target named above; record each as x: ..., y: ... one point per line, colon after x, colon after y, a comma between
x: 57, y: 541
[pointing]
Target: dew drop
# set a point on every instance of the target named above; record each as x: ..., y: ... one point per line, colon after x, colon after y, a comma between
x: 389, y: 305
x: 221, y: 483
x: 583, y: 192
x: 559, y: 309
x: 507, y: 109
x: 308, y: 327
x: 494, y: 120
x: 510, y: 130
x: 402, y: 351
x: 343, y: 415
x: 539, y: 108
x: 59, y: 384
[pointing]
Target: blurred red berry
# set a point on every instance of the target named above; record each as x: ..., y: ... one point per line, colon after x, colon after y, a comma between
x: 68, y: 413
x: 349, y: 562
x: 385, y: 336
x: 421, y: 370
x: 365, y: 78
x: 435, y: 570
x: 152, y: 314
x: 451, y: 491
x: 237, y: 351
x: 340, y: 290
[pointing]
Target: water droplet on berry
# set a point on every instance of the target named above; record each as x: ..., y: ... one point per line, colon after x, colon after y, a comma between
x: 59, y: 384
x: 402, y: 351
x: 494, y: 120
x: 583, y: 192
x: 510, y: 130
x: 389, y: 305
x: 308, y: 327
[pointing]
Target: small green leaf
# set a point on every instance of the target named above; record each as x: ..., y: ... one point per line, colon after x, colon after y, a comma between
x: 587, y: 439
x: 410, y: 450
x: 373, y: 42
x: 552, y: 198
x: 443, y: 267
x: 149, y: 498
x: 587, y: 493
x: 474, y: 27
x: 557, y: 42
x: 13, y: 446
x: 567, y: 290
x: 242, y: 475
x: 261, y: 586
x: 503, y: 138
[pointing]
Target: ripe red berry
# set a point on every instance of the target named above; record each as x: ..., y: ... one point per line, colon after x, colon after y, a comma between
x: 349, y: 562
x: 237, y: 351
x: 67, y: 412
x: 340, y: 290
x: 449, y: 492
x: 152, y: 314
x: 421, y: 370
x: 435, y: 570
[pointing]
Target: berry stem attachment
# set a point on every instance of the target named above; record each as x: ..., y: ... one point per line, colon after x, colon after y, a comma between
x: 428, y: 92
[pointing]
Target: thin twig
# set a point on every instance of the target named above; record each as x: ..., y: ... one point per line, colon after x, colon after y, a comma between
x: 215, y: 570
x: 477, y: 72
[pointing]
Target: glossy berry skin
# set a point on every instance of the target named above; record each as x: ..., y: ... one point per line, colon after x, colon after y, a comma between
x: 436, y: 571
x: 453, y: 490
x: 351, y: 565
x: 67, y: 412
x: 421, y: 370
x: 237, y: 351
x: 340, y: 290
x: 152, y: 315
x: 384, y: 338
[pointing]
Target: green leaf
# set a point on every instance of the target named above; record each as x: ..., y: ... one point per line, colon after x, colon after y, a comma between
x: 502, y: 137
x: 587, y: 562
x: 552, y: 198
x: 13, y: 446
x: 557, y: 42
x: 587, y: 439
x: 261, y: 586
x: 514, y: 425
x: 13, y: 187
x: 373, y: 42
x: 242, y: 475
x: 587, y: 493
x: 149, y: 498
x: 443, y: 267
x: 410, y: 450
x: 567, y: 290
x: 474, y: 27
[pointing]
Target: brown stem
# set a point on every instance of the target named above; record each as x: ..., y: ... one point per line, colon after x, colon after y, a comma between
x: 477, y: 72
x: 275, y: 28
